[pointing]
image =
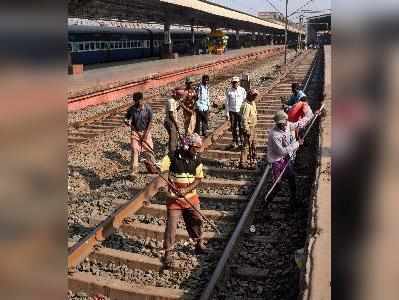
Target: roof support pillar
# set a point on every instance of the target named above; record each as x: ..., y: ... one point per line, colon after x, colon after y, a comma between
x: 237, y: 41
x: 193, y: 36
x: 167, y: 42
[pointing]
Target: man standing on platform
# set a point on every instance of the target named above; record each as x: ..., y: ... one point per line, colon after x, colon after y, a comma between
x: 188, y: 105
x: 185, y: 173
x: 249, y: 118
x: 139, y: 118
x: 235, y: 96
x: 202, y: 106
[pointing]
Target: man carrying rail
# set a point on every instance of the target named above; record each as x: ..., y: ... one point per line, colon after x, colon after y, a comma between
x: 185, y: 173
x: 235, y: 96
x: 139, y: 118
x: 281, y: 148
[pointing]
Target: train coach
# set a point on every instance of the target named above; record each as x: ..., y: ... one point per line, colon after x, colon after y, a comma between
x: 97, y: 44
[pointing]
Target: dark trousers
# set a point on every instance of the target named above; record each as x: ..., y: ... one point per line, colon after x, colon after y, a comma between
x: 172, y: 132
x: 236, y: 129
x: 192, y: 220
x: 201, y: 123
x: 290, y: 175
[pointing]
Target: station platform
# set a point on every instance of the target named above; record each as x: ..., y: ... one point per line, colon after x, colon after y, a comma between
x: 319, y: 260
x: 97, y: 79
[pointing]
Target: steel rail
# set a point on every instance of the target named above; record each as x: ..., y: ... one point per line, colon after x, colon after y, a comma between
x: 236, y: 234
x: 206, y: 294
x: 286, y: 165
x: 316, y: 60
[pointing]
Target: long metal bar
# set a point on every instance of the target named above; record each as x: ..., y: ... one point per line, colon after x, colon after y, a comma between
x: 180, y: 195
x: 85, y: 246
x: 286, y: 165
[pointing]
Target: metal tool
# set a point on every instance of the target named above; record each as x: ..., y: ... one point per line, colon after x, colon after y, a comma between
x: 286, y: 165
x: 176, y: 191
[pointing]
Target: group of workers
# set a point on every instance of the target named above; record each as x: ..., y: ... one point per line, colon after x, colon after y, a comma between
x: 183, y: 164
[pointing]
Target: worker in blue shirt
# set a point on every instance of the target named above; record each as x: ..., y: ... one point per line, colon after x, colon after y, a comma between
x: 202, y: 106
x: 297, y: 94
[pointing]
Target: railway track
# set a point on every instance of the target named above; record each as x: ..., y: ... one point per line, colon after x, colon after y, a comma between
x: 259, y: 260
x: 121, y: 257
x: 83, y: 131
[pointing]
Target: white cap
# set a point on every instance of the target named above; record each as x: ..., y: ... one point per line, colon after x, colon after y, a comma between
x: 235, y: 79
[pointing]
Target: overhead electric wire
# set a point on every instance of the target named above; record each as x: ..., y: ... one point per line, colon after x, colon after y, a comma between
x: 274, y: 7
x: 297, y: 10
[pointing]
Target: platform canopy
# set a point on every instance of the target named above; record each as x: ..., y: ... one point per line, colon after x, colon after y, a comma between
x: 320, y: 23
x: 175, y: 12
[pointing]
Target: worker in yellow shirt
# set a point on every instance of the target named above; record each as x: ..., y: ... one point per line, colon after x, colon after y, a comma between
x: 185, y: 173
x: 249, y: 118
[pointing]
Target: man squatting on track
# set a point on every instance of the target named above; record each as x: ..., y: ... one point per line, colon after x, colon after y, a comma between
x: 281, y: 148
x: 235, y: 96
x: 139, y: 118
x: 185, y: 172
x: 249, y: 118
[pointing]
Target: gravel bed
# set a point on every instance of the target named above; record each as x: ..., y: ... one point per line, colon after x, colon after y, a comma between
x: 226, y: 190
x: 197, y: 269
x: 278, y: 234
x: 222, y: 205
x: 224, y: 226
x: 91, y: 111
x: 84, y: 296
x: 233, y: 176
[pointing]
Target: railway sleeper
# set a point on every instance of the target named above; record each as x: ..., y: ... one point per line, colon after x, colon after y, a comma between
x: 121, y: 290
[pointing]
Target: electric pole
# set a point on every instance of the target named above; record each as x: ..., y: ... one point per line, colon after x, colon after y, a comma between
x: 286, y: 32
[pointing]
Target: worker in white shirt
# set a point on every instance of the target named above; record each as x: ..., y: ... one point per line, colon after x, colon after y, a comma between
x: 235, y: 96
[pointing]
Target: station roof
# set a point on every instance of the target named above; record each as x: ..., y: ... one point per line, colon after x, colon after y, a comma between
x: 320, y: 23
x: 182, y: 12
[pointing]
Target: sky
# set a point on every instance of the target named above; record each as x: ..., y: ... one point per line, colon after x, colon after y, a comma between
x: 253, y: 6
